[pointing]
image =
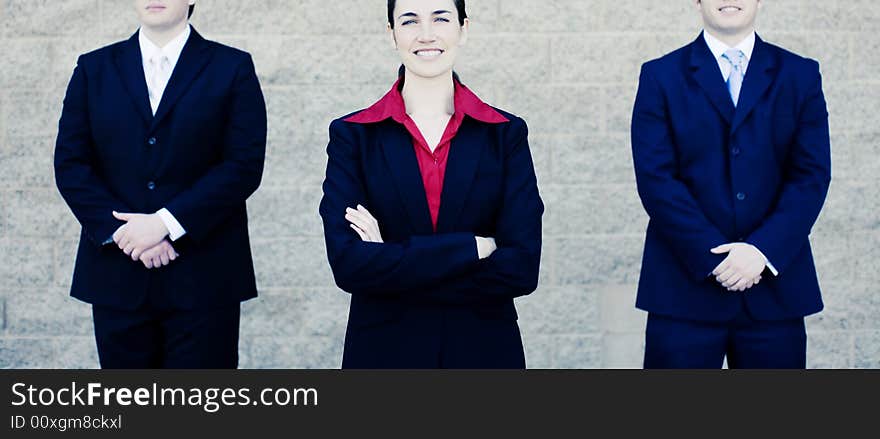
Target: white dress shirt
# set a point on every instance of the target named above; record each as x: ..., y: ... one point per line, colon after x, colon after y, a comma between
x: 718, y: 47
x: 746, y: 46
x: 159, y: 63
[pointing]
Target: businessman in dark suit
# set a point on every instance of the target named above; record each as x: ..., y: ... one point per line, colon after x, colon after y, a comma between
x: 161, y: 140
x: 732, y: 160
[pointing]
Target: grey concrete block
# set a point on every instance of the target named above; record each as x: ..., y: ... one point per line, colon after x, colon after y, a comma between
x: 829, y: 350
x: 539, y: 350
x: 599, y: 260
x: 865, y: 253
x: 272, y: 315
x: 50, y: 313
x: 291, y: 262
x: 618, y: 309
x: 850, y: 206
x: 645, y: 17
x: 527, y: 16
x: 2, y: 314
x: 784, y: 15
x: 64, y: 258
x: 855, y: 156
x: 848, y: 306
x: 27, y: 162
x: 48, y: 353
x: 834, y: 257
x: 559, y: 310
x: 27, y: 67
x: 507, y: 60
x: 41, y: 17
x: 623, y: 350
x: 861, y: 15
x: 867, y: 350
x: 290, y: 313
x: 851, y: 105
x: 237, y: 17
x: 33, y: 113
x: 576, y: 110
x: 621, y: 99
x: 593, y: 209
x: 37, y: 213
x: 831, y: 50
x: 285, y: 212
x: 26, y: 263
x: 304, y: 60
x: 578, y: 352
x: 290, y: 352
x: 591, y: 158
x: 608, y: 58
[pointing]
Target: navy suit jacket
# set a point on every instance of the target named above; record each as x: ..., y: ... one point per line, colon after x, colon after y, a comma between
x: 201, y: 156
x: 416, y: 275
x: 709, y: 173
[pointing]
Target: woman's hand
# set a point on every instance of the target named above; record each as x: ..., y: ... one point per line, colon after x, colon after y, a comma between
x: 364, y: 224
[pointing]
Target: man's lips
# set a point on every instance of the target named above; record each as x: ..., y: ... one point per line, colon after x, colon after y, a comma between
x: 428, y: 53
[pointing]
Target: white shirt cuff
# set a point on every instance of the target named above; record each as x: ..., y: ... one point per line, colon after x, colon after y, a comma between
x: 769, y: 265
x: 175, y: 230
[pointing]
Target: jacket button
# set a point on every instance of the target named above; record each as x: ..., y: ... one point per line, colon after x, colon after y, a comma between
x: 151, y: 141
x: 735, y: 151
x: 151, y: 185
x: 740, y: 196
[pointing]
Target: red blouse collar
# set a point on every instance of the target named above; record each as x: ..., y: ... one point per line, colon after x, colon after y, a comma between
x: 392, y: 106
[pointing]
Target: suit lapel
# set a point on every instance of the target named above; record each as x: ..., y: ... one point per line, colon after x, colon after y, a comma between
x: 759, y: 76
x: 397, y: 145
x: 704, y: 68
x: 131, y: 69
x: 461, y: 166
x: 192, y: 61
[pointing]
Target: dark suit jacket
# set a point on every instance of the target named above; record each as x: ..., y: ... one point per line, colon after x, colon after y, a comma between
x: 200, y: 157
x: 421, y: 282
x: 709, y: 174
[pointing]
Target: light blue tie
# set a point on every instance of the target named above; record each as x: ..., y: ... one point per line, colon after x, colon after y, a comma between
x: 737, y: 60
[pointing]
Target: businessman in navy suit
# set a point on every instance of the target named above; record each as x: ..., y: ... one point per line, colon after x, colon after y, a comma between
x: 732, y: 161
x: 161, y: 140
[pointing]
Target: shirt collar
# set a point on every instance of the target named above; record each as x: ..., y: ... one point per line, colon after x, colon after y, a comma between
x: 392, y: 106
x: 718, y: 47
x: 172, y: 50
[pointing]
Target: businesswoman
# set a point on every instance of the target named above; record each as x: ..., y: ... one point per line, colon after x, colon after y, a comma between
x: 431, y: 211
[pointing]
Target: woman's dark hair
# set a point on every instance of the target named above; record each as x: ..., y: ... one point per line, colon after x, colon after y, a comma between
x: 459, y: 6
x: 191, y: 8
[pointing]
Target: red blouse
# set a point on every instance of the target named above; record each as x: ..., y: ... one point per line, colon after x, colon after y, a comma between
x: 432, y: 165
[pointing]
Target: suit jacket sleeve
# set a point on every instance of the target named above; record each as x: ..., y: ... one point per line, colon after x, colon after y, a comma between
x: 667, y: 200
x: 77, y: 173
x: 380, y: 268
x: 805, y: 182
x: 513, y: 269
x: 226, y: 187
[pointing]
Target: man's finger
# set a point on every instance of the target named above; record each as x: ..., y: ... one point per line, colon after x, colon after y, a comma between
x: 122, y: 216
x: 722, y: 249
x: 722, y: 266
x: 164, y: 258
x: 725, y: 275
x: 733, y: 280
